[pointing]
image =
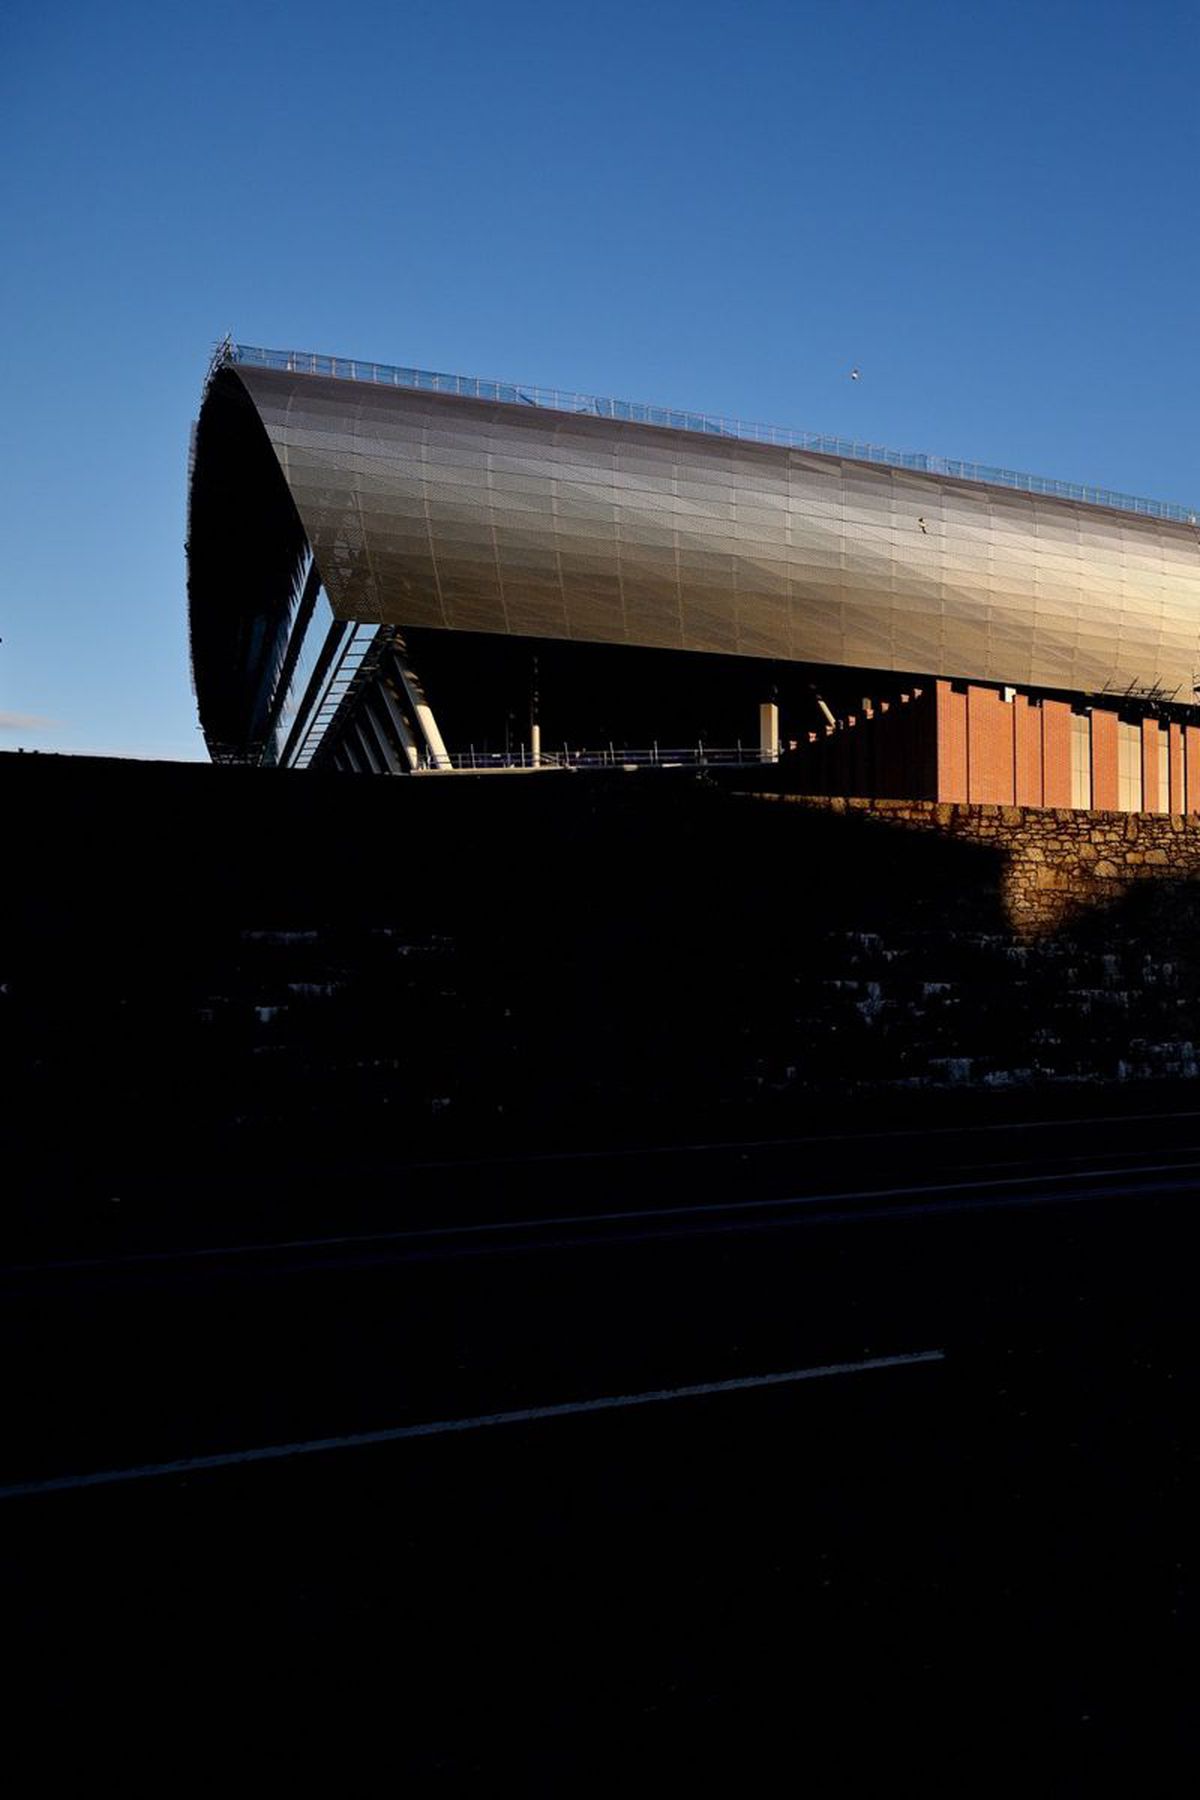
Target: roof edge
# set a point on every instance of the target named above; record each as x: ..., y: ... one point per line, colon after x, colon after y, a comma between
x: 561, y: 400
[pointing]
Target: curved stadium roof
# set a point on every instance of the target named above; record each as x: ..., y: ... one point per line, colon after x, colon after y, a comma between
x: 446, y: 502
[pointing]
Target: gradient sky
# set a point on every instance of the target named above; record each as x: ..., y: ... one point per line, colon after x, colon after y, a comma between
x: 988, y: 210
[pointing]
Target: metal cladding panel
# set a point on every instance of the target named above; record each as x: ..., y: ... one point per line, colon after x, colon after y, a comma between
x: 434, y: 510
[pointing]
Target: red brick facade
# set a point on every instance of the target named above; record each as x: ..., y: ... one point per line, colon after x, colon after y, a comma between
x: 991, y: 763
x: 951, y: 765
x: 967, y: 743
x: 1027, y: 752
x: 1105, y: 787
x: 1056, y: 754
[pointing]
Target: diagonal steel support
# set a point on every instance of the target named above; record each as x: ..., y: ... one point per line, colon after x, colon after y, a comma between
x: 422, y: 712
x: 400, y: 724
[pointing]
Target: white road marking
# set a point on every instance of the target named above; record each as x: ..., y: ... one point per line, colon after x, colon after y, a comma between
x: 643, y: 1214
x: 229, y: 1459
x: 812, y: 1142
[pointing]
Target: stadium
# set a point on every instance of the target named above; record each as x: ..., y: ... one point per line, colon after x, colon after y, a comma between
x: 393, y: 572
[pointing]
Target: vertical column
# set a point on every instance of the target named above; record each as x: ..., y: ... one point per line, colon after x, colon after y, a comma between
x: 1056, y: 753
x: 1191, y: 767
x: 1104, y: 761
x: 991, y: 773
x: 1175, y: 752
x: 951, y: 743
x: 768, y: 731
x: 1150, y: 771
x: 1027, y: 752
x: 535, y: 718
x: 861, y: 781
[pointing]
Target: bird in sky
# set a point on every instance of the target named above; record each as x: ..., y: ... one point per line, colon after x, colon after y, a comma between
x: 856, y: 374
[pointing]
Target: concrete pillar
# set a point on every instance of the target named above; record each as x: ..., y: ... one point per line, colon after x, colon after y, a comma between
x: 419, y: 707
x: 768, y: 731
x: 535, y: 745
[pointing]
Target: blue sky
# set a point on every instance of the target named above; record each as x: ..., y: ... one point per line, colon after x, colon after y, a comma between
x: 988, y: 210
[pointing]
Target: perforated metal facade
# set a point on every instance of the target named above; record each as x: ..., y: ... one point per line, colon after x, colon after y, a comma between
x: 435, y: 510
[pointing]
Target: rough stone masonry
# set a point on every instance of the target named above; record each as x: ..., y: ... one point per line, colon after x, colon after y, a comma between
x: 1058, y: 863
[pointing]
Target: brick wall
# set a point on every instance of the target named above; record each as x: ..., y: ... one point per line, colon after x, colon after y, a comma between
x: 1018, y: 751
x: 1027, y: 751
x: 1056, y: 753
x: 1105, y: 792
x: 951, y: 743
x: 966, y: 742
x: 888, y: 749
x: 990, y: 762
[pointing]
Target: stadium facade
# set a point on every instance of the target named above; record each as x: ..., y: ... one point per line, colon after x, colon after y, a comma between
x: 397, y: 572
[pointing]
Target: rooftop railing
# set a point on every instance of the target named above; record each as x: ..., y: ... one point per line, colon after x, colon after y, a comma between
x: 472, y: 387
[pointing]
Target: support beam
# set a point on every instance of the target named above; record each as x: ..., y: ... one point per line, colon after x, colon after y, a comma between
x: 419, y: 706
x: 370, y: 756
x: 400, y: 724
x: 768, y: 731
x: 378, y: 731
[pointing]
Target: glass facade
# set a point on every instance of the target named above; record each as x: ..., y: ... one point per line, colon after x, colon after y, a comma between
x: 345, y: 651
x: 302, y: 674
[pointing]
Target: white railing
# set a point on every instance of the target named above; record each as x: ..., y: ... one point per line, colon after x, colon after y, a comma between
x: 473, y: 387
x: 695, y: 756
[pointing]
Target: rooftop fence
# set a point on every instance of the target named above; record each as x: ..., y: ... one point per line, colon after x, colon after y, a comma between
x: 473, y: 387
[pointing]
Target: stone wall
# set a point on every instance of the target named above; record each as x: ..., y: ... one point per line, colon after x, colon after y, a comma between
x: 284, y: 969
x: 1057, y: 864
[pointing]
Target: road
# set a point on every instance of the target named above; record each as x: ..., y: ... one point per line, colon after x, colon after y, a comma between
x: 743, y: 1468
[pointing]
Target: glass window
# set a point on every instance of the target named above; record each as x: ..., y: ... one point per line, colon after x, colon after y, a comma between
x: 314, y: 638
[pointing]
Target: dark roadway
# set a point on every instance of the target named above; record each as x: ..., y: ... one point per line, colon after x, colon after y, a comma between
x: 927, y: 1569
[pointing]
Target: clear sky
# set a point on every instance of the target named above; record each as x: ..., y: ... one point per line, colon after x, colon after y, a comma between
x: 989, y: 210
